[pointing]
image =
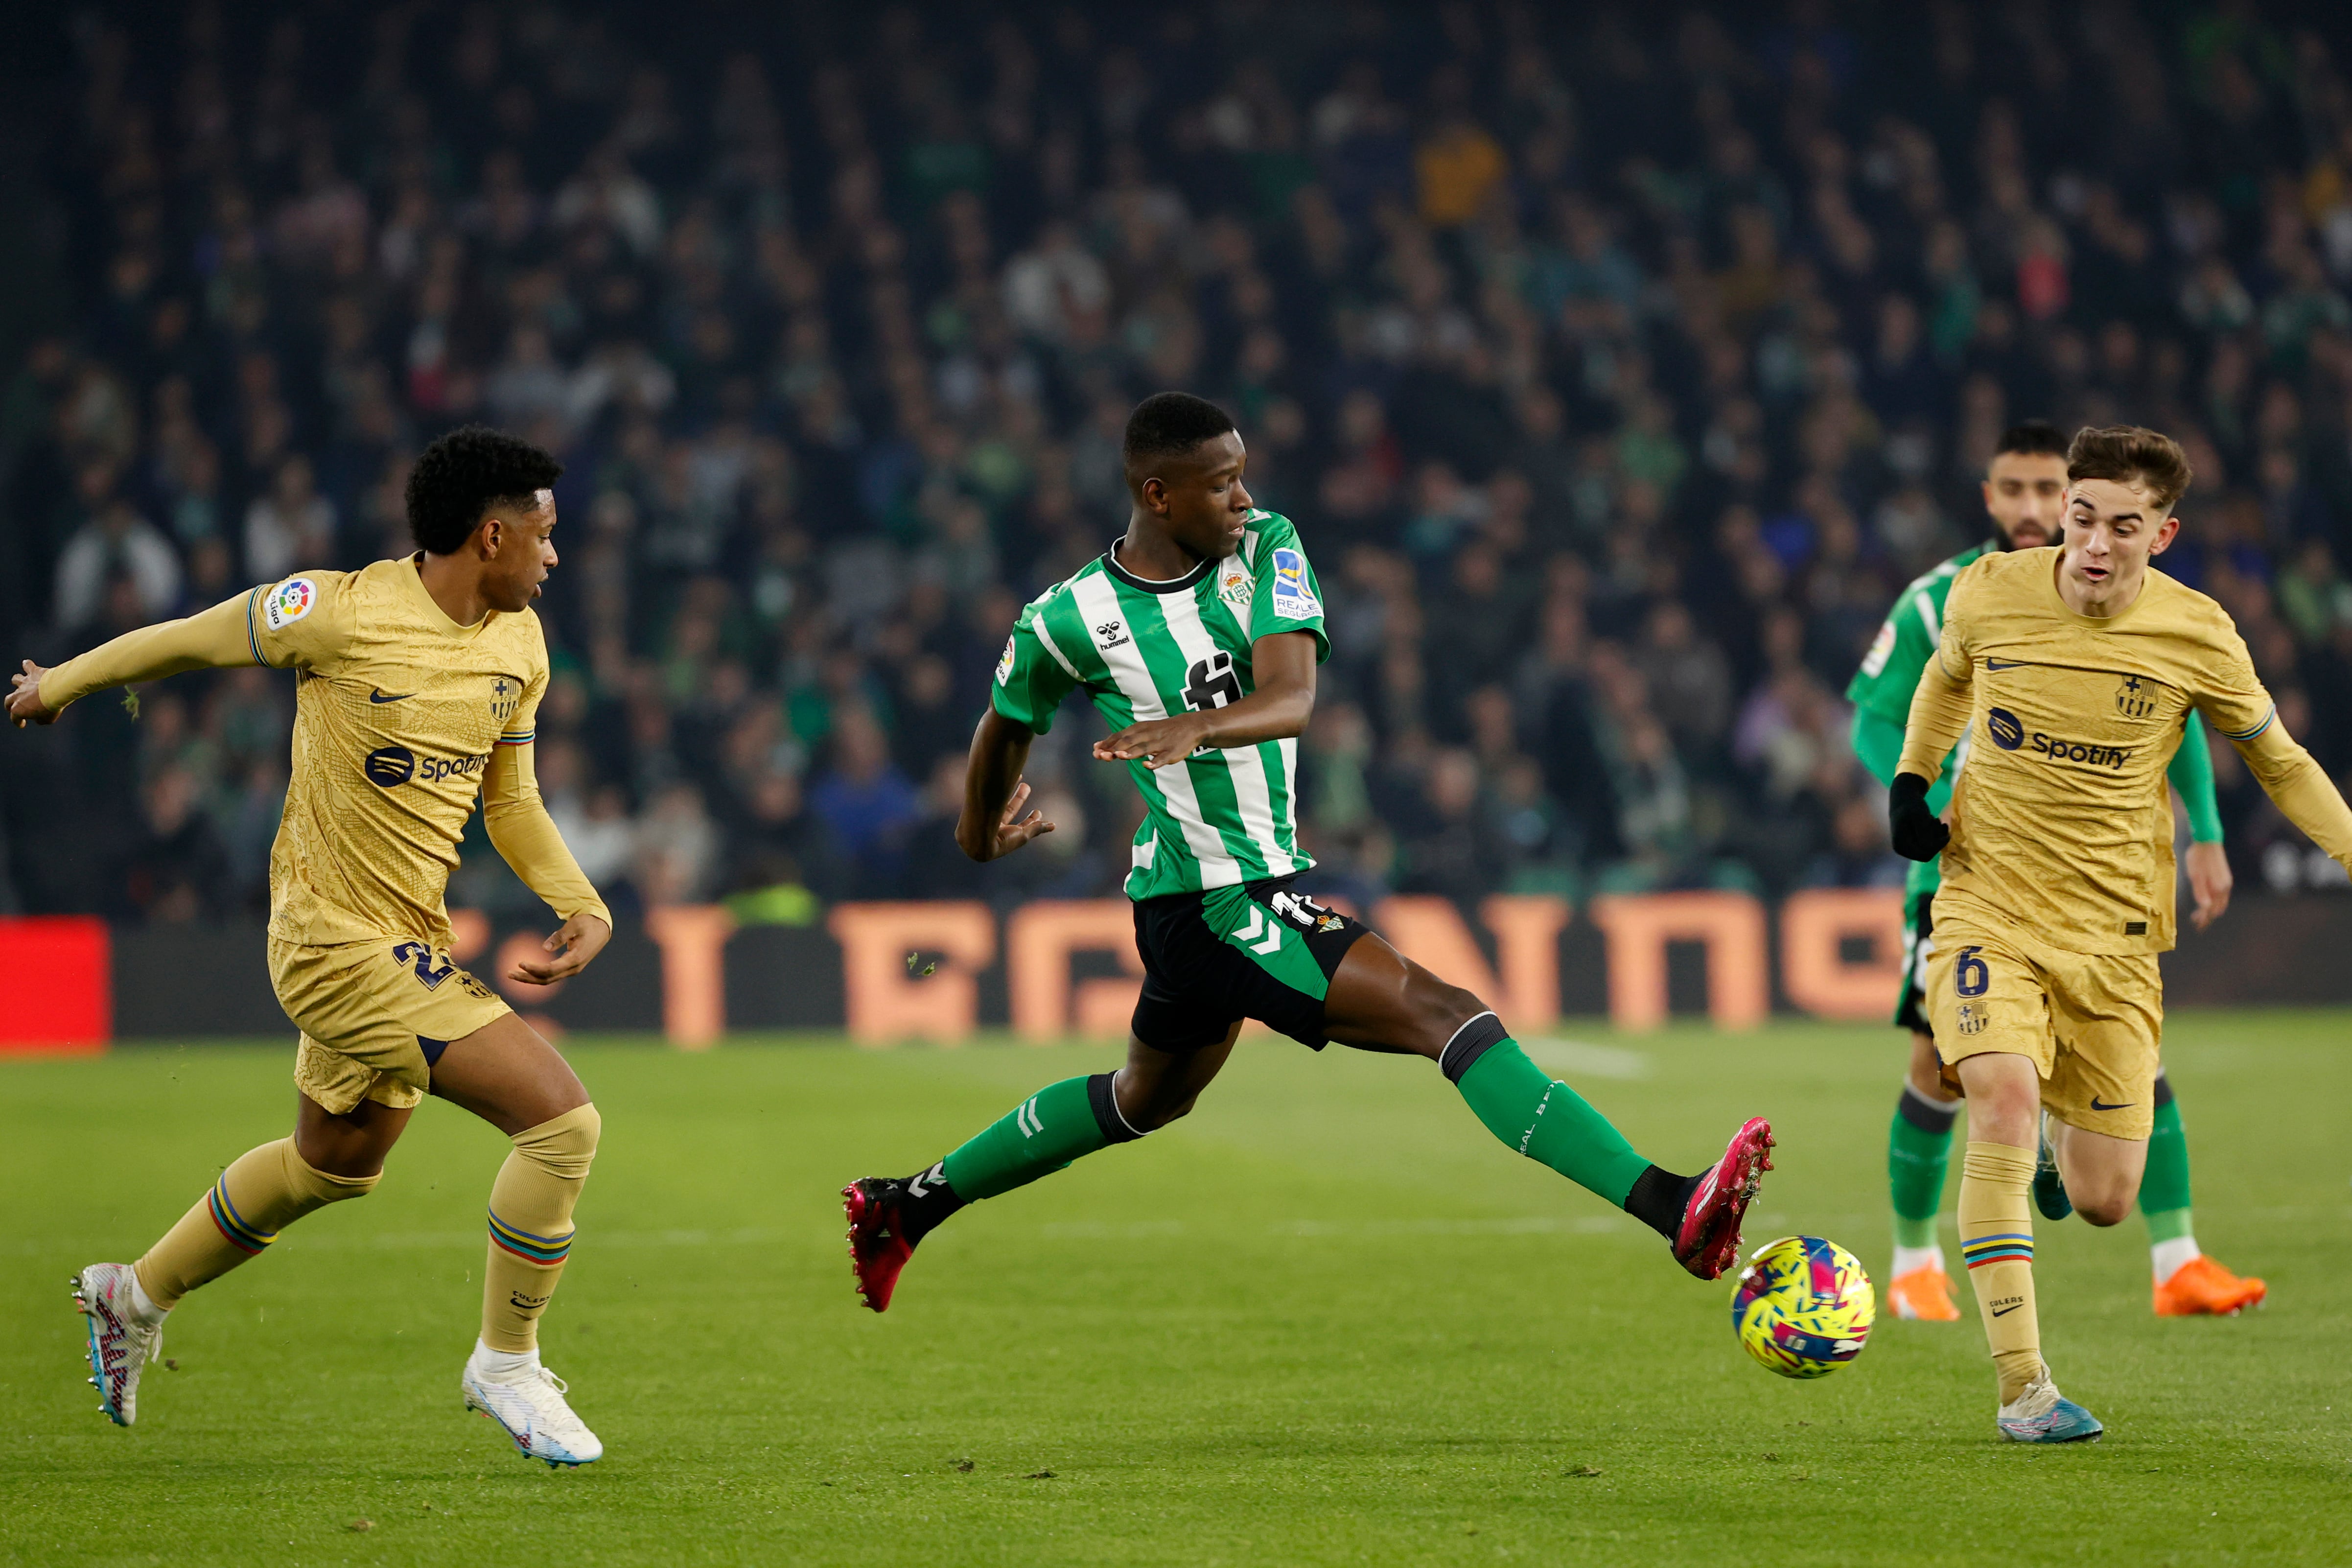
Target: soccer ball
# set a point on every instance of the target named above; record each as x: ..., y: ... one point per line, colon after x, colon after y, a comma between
x: 1804, y: 1307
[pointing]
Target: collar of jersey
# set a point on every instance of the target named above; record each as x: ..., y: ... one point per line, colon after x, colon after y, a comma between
x: 414, y: 581
x: 1152, y: 585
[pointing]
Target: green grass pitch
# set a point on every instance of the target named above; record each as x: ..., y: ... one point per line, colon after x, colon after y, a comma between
x: 1326, y: 1320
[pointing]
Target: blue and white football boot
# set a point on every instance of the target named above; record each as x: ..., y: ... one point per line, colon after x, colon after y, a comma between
x: 529, y: 1404
x: 2041, y: 1415
x: 122, y: 1340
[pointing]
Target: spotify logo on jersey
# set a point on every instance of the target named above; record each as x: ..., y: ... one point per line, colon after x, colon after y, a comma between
x: 389, y: 766
x: 2006, y: 732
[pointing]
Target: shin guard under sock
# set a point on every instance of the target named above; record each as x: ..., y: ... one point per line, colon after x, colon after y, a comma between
x: 2164, y: 1199
x: 1540, y: 1117
x: 530, y: 1224
x: 1918, y: 1149
x: 1997, y: 1243
x: 1061, y: 1123
x: 264, y: 1192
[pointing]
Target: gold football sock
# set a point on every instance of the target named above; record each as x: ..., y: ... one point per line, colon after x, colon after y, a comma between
x: 264, y: 1192
x: 1997, y: 1242
x: 530, y: 1225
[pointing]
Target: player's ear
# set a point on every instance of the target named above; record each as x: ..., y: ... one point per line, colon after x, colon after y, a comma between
x: 1153, y: 493
x: 2165, y: 535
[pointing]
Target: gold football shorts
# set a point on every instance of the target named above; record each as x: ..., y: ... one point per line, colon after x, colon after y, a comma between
x: 2091, y: 1023
x: 374, y: 1016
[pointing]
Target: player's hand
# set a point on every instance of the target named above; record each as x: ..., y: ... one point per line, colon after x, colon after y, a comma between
x: 1157, y: 742
x: 24, y: 705
x: 2209, y: 882
x: 1918, y: 833
x: 1014, y: 830
x: 577, y: 940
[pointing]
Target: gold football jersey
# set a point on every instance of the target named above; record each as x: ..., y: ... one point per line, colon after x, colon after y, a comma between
x: 2060, y: 822
x: 398, y: 710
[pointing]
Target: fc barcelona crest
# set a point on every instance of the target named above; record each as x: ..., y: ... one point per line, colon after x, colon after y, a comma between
x: 505, y: 694
x: 2135, y: 699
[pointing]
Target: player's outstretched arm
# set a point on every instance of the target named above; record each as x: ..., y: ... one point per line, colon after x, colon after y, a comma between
x: 2299, y: 786
x: 2190, y: 773
x: 991, y: 826
x: 209, y: 639
x: 1939, y: 716
x: 1278, y: 709
x: 526, y: 837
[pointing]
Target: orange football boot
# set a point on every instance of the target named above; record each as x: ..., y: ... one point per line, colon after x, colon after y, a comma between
x: 2202, y: 1287
x: 1925, y: 1294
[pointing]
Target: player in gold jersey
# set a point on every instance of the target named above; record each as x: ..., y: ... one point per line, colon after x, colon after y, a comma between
x: 2073, y: 670
x: 416, y: 683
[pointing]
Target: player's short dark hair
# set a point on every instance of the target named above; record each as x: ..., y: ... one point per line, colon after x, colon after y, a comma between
x: 2127, y: 455
x: 1167, y: 424
x: 465, y: 474
x: 2032, y: 438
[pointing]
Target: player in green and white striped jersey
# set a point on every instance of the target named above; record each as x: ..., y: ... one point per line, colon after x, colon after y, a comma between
x: 1197, y: 636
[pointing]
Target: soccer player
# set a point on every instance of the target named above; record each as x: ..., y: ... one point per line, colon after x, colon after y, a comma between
x: 416, y: 682
x: 2024, y: 487
x: 1196, y: 635
x: 2073, y: 670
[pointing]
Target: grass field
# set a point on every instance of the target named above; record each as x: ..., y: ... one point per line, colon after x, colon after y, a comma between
x: 1324, y: 1320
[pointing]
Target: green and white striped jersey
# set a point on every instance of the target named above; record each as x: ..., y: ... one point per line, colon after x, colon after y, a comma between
x: 1144, y: 649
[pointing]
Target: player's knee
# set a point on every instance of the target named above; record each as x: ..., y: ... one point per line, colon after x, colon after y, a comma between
x: 2103, y: 1209
x: 565, y: 1146
x: 1440, y: 1013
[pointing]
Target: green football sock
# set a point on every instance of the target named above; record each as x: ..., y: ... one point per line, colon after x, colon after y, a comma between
x: 1919, y: 1147
x: 2164, y: 1187
x: 1059, y: 1123
x: 1548, y: 1121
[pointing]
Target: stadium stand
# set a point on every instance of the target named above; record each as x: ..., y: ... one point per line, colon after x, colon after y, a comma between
x: 1618, y: 366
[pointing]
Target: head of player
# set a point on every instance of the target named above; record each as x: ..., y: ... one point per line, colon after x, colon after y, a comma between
x: 2122, y: 483
x: 481, y: 507
x: 1184, y: 462
x: 2025, y: 485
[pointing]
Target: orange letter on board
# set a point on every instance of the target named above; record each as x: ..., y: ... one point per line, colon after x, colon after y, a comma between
x: 693, y: 941
x: 1814, y: 923
x: 887, y: 1003
x: 1038, y: 942
x: 1638, y: 926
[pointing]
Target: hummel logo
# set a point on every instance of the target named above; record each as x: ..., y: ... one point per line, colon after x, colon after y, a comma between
x: 376, y: 695
x: 1111, y: 636
x: 938, y: 1174
x: 2098, y: 1104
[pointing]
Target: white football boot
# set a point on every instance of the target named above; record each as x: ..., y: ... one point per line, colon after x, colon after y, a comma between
x: 529, y: 1404
x: 121, y: 1342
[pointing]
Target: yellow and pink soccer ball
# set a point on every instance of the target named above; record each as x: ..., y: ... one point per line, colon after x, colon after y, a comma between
x: 1804, y: 1307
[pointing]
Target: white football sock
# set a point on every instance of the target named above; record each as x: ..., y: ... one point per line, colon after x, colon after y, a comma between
x: 1910, y: 1259
x: 143, y: 1306
x: 503, y: 1365
x: 2168, y: 1256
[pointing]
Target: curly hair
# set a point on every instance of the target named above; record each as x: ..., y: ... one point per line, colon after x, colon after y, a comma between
x: 465, y: 474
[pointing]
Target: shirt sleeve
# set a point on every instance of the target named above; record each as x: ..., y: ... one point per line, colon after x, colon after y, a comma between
x: 304, y: 622
x: 1032, y: 676
x: 1941, y: 705
x: 2241, y: 710
x: 1288, y: 599
x: 1890, y: 671
x: 210, y: 639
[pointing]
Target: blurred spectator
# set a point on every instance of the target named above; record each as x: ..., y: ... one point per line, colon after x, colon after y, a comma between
x: 1617, y: 382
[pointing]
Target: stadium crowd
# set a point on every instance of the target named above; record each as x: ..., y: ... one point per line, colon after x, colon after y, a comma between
x: 1618, y: 366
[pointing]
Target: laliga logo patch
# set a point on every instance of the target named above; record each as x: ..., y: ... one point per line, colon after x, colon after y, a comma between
x: 2003, y: 726
x: 1004, y: 665
x: 289, y: 602
x: 1293, y: 600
